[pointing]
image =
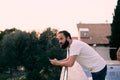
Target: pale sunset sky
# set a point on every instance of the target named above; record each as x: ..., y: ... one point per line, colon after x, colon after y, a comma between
x: 58, y: 14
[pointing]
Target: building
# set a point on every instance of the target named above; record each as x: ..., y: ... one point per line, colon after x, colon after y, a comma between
x: 97, y: 36
x: 94, y: 33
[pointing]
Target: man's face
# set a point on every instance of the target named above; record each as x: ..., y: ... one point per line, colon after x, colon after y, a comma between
x: 62, y: 41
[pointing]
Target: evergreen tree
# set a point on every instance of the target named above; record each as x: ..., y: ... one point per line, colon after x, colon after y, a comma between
x: 20, y: 48
x: 52, y: 50
x: 115, y: 35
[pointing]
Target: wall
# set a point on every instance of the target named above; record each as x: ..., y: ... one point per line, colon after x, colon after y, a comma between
x: 103, y: 51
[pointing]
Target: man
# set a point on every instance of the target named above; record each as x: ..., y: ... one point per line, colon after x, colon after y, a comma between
x: 83, y: 54
x: 118, y: 54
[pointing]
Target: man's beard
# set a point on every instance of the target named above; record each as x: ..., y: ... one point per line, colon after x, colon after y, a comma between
x: 65, y: 45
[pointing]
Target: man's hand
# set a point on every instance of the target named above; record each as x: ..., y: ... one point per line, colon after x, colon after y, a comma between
x: 68, y: 62
x: 54, y: 62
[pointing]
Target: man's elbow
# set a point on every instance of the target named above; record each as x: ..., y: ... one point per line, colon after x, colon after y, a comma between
x: 70, y: 64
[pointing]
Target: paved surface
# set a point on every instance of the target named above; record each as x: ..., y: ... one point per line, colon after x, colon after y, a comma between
x: 75, y: 73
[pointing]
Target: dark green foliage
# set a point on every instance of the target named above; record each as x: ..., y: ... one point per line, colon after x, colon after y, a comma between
x: 115, y: 29
x: 4, y: 76
x: 19, y: 48
x: 3, y: 49
x: 52, y: 50
x: 34, y: 75
x: 7, y: 31
x: 13, y: 45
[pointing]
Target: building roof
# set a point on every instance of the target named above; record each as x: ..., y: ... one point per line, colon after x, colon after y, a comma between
x: 98, y: 33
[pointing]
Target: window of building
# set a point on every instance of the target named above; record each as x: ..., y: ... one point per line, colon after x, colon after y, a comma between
x: 84, y: 32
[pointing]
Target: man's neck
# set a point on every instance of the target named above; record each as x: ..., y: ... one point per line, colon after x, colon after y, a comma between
x: 70, y: 42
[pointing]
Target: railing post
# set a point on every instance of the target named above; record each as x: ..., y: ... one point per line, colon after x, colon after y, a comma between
x: 65, y: 75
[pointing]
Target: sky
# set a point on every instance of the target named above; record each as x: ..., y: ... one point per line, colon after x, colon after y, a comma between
x: 38, y: 15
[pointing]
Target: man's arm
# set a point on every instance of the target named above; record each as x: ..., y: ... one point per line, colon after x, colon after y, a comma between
x: 68, y: 62
x: 118, y: 54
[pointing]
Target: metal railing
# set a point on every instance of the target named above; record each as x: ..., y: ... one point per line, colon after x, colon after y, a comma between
x: 65, y: 74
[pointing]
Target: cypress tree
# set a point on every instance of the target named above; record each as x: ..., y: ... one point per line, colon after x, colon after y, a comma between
x: 115, y: 29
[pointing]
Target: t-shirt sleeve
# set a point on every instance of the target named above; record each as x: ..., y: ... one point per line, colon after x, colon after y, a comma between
x: 75, y: 49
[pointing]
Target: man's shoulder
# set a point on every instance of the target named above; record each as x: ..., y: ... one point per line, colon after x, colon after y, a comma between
x: 79, y: 42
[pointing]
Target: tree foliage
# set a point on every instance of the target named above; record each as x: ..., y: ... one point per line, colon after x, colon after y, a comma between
x: 115, y: 29
x: 52, y: 50
x: 20, y: 48
x: 3, y: 49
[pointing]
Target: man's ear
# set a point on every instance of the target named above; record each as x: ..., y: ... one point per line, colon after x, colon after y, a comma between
x: 68, y: 38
